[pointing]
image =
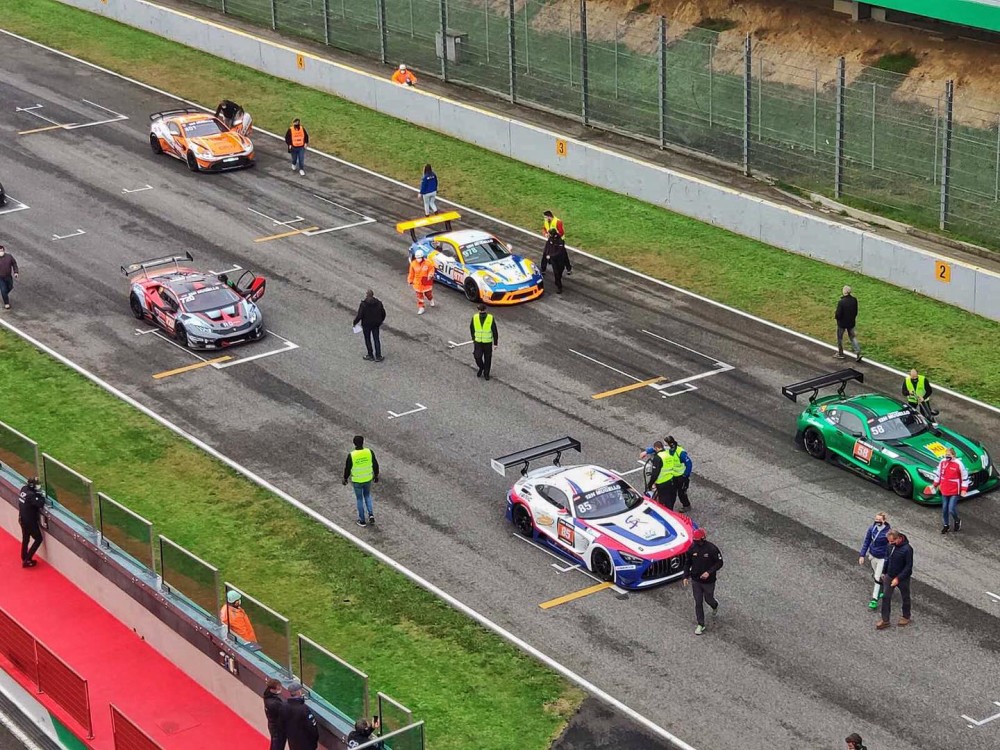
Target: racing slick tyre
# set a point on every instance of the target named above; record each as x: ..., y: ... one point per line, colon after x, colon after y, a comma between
x: 154, y: 143
x: 472, y: 290
x: 901, y: 482
x: 814, y: 443
x: 181, y: 335
x: 192, y: 162
x: 601, y: 565
x: 136, y: 307
x: 522, y: 521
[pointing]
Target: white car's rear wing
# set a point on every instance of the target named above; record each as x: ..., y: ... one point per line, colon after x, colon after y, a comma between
x: 524, y: 457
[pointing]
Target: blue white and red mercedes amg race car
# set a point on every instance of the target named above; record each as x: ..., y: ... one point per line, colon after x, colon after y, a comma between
x: 593, y: 517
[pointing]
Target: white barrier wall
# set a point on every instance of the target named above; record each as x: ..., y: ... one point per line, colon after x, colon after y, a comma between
x: 955, y: 282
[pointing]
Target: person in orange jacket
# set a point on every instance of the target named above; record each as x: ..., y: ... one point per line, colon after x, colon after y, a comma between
x: 235, y: 617
x: 421, y: 278
x: 404, y: 77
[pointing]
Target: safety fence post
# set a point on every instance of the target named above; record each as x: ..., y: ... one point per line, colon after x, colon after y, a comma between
x: 326, y: 22
x: 224, y: 10
x: 383, y: 33
x: 949, y: 122
x: 663, y: 82
x: 585, y: 77
x: 443, y: 12
x: 274, y: 15
x: 512, y: 50
x: 838, y: 157
x: 747, y: 97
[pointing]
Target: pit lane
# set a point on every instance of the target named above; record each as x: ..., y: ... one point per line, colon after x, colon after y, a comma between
x: 788, y: 525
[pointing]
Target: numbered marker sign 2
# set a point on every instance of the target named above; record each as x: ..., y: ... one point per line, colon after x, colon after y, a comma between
x: 942, y: 271
x: 560, y: 147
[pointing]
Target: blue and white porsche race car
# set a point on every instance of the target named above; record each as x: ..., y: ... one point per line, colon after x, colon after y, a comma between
x: 475, y: 262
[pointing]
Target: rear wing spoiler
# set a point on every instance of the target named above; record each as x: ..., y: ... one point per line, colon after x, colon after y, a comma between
x: 523, y: 458
x: 145, y: 265
x: 840, y: 379
x: 428, y: 221
x: 185, y: 111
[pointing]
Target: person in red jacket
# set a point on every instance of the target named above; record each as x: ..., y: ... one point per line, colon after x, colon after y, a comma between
x: 952, y: 480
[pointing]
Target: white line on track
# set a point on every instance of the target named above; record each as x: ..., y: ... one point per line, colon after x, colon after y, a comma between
x: 31, y: 110
x: 126, y: 191
x: 394, y: 415
x: 314, y: 232
x: 20, y: 206
x: 338, y: 205
x: 995, y: 597
x: 77, y: 233
x: 453, y: 345
x: 578, y: 566
x: 602, y: 364
x: 288, y: 346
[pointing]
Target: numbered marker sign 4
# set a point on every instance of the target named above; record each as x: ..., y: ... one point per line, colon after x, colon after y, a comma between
x: 300, y: 62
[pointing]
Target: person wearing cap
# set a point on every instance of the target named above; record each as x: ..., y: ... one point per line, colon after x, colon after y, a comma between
x: 703, y: 562
x: 274, y: 711
x: 362, y: 469
x: 30, y: 506
x: 362, y: 732
x: 404, y: 77
x: 421, y: 278
x: 235, y: 617
x: 951, y: 478
x: 671, y: 473
x: 484, y: 337
x: 854, y: 742
x: 301, y: 729
x: 8, y: 272
x: 847, y: 317
x: 555, y: 253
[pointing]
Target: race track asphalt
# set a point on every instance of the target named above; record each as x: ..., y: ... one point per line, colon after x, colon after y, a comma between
x: 793, y: 660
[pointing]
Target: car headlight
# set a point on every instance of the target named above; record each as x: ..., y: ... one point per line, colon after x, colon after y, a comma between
x: 984, y: 459
x: 196, y: 326
x: 529, y: 267
x: 928, y: 475
x: 489, y: 281
x: 630, y: 559
x: 199, y: 150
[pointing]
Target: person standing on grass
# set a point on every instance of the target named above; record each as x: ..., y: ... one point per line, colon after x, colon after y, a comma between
x: 30, y: 506
x: 704, y: 560
x: 274, y: 711
x: 297, y: 139
x: 301, y: 729
x: 371, y: 316
x: 429, y: 190
x: 8, y: 272
x: 362, y: 469
x: 847, y: 318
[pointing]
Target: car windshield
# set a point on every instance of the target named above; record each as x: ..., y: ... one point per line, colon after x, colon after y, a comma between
x: 898, y: 425
x: 209, y: 299
x: 606, y: 501
x: 202, y: 128
x: 484, y: 251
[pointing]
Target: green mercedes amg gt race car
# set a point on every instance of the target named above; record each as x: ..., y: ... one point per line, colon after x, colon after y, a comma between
x: 883, y: 439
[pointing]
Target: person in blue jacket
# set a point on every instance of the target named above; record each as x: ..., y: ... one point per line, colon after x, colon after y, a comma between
x: 874, y: 549
x: 679, y: 486
x: 429, y: 190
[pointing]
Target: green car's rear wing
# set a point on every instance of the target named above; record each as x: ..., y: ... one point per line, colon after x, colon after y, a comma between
x: 840, y: 379
x: 524, y: 457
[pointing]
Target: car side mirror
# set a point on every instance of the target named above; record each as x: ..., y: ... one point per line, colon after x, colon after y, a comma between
x: 858, y: 434
x: 510, y: 247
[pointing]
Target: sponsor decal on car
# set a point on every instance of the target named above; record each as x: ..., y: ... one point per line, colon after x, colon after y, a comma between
x: 937, y: 449
x: 544, y: 520
x: 863, y: 451
x: 626, y: 567
x: 566, y: 532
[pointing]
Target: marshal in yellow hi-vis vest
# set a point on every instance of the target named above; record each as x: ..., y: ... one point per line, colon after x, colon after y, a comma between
x: 362, y: 466
x: 482, y: 327
x: 672, y: 466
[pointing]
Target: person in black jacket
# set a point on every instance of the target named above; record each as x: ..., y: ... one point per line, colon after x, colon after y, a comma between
x: 30, y: 505
x: 362, y: 732
x: 482, y: 351
x: 854, y: 742
x: 301, y: 730
x: 274, y: 710
x: 847, y: 318
x: 704, y: 560
x: 555, y: 253
x: 896, y: 575
x: 371, y: 315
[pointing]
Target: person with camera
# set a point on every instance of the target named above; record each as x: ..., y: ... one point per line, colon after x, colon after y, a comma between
x: 362, y: 733
x: 30, y: 507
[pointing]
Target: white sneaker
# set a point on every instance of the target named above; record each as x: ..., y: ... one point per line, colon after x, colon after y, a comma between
x: 293, y: 167
x: 699, y: 630
x: 433, y: 303
x: 420, y: 311
x: 302, y: 172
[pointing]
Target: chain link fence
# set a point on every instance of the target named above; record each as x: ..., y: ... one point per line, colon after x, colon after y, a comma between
x: 861, y: 134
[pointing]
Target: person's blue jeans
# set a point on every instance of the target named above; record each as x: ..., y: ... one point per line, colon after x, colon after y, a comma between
x: 299, y: 157
x: 6, y: 287
x: 363, y: 494
x: 949, y: 508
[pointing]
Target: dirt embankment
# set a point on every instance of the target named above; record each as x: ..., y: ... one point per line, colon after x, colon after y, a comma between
x: 799, y: 42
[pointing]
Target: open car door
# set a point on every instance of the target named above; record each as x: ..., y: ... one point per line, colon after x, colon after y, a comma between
x: 251, y: 286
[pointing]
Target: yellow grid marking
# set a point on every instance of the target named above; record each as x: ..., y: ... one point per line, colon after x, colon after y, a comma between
x: 627, y: 388
x: 285, y: 234
x: 576, y: 595
x: 42, y: 130
x: 188, y: 368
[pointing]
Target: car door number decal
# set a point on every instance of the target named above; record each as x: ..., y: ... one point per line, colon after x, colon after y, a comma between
x: 448, y: 267
x: 566, y: 532
x: 863, y: 452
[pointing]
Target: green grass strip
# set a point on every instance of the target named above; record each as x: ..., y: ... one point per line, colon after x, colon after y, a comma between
x: 902, y: 328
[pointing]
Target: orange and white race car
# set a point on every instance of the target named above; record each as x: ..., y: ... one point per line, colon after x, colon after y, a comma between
x: 206, y: 142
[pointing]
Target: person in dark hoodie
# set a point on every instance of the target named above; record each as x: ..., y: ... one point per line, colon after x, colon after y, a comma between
x: 896, y: 575
x: 300, y: 724
x: 362, y: 732
x: 854, y: 742
x: 274, y: 710
x: 555, y: 253
x: 30, y: 508
x: 875, y: 548
x: 704, y: 560
x: 847, y: 318
x: 371, y: 316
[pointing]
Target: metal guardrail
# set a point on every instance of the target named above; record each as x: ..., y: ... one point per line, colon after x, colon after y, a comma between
x: 127, y: 735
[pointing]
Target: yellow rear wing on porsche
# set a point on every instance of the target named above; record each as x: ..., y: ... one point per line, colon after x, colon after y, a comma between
x: 428, y: 221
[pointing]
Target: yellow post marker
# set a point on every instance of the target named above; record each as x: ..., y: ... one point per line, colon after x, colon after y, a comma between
x: 560, y: 147
x: 285, y: 234
x: 189, y: 368
x: 300, y: 62
x: 942, y: 271
x: 627, y: 388
x: 576, y: 595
